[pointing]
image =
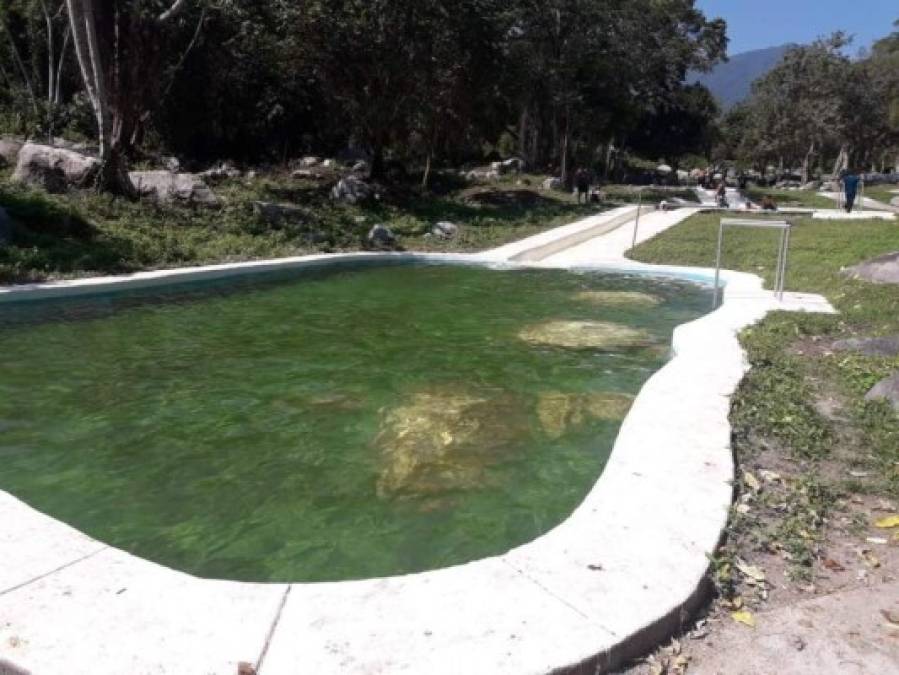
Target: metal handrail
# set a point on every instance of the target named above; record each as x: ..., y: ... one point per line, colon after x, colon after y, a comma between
x: 780, y: 274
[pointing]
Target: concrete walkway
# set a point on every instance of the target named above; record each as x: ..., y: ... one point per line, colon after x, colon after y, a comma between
x: 608, y: 583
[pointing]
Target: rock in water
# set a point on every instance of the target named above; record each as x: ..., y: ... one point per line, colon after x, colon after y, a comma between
x: 598, y: 335
x: 887, y: 389
x: 558, y: 412
x: 381, y: 236
x: 351, y: 190
x: 619, y: 298
x: 174, y: 187
x: 54, y: 169
x: 445, y: 440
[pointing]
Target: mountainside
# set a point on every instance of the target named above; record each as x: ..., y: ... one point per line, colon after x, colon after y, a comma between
x: 731, y: 82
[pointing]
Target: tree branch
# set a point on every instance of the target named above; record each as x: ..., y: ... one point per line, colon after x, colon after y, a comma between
x: 173, y: 11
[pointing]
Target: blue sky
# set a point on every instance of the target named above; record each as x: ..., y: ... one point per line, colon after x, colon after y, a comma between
x: 754, y: 24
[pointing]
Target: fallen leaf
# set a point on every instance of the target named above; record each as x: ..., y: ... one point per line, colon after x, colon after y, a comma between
x: 750, y: 571
x: 595, y: 568
x: 751, y: 481
x: 888, y: 522
x: 832, y: 564
x: 744, y: 617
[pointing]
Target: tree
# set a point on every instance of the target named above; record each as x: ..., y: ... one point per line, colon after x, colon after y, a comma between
x: 120, y: 45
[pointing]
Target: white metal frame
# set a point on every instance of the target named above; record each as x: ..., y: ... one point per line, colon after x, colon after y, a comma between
x: 780, y: 273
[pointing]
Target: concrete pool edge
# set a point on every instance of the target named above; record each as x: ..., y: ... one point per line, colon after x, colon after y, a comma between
x: 608, y: 582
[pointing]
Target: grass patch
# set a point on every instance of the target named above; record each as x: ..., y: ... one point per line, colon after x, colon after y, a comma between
x: 802, y: 403
x: 84, y: 234
x: 787, y: 198
x: 882, y: 193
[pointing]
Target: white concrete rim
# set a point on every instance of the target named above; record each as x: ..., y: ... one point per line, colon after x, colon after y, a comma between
x: 608, y: 582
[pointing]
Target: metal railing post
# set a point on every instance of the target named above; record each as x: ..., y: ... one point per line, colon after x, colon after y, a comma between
x: 637, y: 221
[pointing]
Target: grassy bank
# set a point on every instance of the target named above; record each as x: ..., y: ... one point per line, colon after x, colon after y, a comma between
x: 788, y: 198
x: 83, y: 234
x: 817, y: 464
x: 882, y: 193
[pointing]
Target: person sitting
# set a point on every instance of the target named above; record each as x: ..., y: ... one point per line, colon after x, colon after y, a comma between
x: 768, y: 203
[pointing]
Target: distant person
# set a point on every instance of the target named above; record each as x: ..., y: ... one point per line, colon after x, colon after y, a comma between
x: 743, y: 181
x: 850, y: 181
x: 582, y: 180
x: 721, y: 194
x: 768, y: 203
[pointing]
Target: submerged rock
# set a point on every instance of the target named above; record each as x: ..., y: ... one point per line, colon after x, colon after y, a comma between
x: 619, y: 298
x: 599, y: 335
x: 558, y: 412
x: 440, y: 441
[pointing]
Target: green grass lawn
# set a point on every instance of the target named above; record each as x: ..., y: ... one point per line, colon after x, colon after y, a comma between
x: 788, y: 198
x: 882, y: 193
x: 84, y: 234
x: 778, y: 398
x: 801, y: 410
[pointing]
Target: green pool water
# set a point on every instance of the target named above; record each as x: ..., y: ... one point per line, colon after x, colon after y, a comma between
x: 336, y: 423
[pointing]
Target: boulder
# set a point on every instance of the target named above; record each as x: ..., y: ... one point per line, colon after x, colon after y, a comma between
x: 306, y: 174
x: 172, y: 164
x: 166, y: 187
x: 309, y: 162
x: 881, y: 270
x: 220, y: 171
x: 558, y: 412
x: 54, y: 169
x: 330, y: 164
x: 619, y: 298
x: 482, y: 175
x: 887, y: 346
x: 553, y: 184
x: 445, y: 230
x: 351, y: 190
x: 589, y: 335
x: 887, y: 389
x: 9, y: 151
x: 277, y: 214
x: 513, y: 165
x: 360, y: 167
x: 445, y: 439
x: 381, y: 236
x: 5, y: 227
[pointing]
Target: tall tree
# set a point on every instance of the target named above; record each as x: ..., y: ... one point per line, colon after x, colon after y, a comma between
x: 121, y: 45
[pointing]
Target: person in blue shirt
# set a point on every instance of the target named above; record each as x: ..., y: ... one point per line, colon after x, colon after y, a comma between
x: 850, y: 182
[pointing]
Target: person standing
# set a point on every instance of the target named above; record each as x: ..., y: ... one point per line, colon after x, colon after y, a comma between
x: 582, y: 182
x: 850, y: 181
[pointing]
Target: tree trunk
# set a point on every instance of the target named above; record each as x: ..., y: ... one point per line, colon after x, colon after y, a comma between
x: 806, y: 163
x: 113, y: 176
x: 842, y: 161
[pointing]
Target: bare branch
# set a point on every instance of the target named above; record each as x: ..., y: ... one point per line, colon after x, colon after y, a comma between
x: 173, y: 11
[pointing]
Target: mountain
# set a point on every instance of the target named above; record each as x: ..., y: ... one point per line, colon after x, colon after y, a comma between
x: 731, y: 82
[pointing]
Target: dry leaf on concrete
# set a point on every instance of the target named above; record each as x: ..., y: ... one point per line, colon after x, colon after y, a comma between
x: 744, y: 617
x: 750, y: 571
x: 888, y: 522
x: 832, y: 564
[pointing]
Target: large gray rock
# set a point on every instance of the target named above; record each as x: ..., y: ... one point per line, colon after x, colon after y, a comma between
x: 54, y: 169
x: 881, y: 270
x: 307, y: 174
x: 221, y: 171
x: 514, y: 165
x: 887, y: 346
x: 5, y: 227
x: 351, y: 190
x: 445, y: 230
x: 9, y: 151
x: 167, y: 187
x: 309, y: 162
x: 381, y: 236
x: 276, y: 214
x: 886, y: 389
x: 553, y: 184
